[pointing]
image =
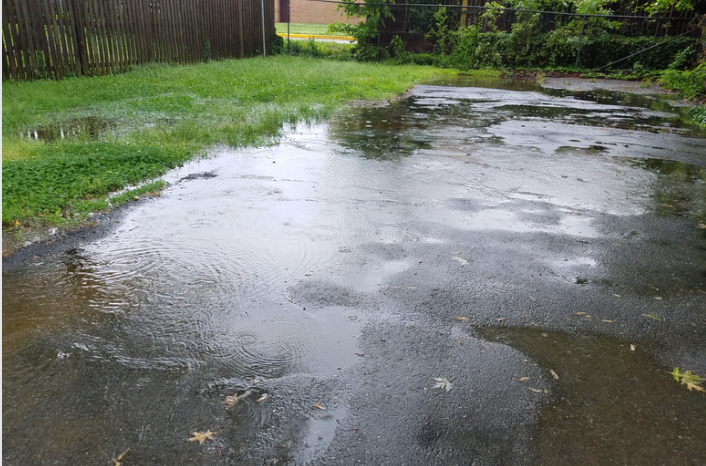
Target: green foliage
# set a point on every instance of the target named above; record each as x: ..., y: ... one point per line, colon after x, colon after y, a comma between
x: 689, y: 84
x: 74, y: 172
x: 470, y: 48
x: 313, y: 49
x: 278, y: 47
x: 698, y: 115
x: 658, y: 7
x: 439, y: 32
x: 491, y: 14
x: 682, y: 58
x: 374, y: 12
x: 399, y: 52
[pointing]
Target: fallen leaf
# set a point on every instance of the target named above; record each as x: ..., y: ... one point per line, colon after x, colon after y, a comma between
x: 580, y: 313
x: 231, y: 401
x: 606, y: 320
x: 262, y: 398
x: 658, y: 298
x: 443, y: 383
x: 524, y: 379
x: 702, y: 226
x: 532, y: 298
x: 653, y: 317
x: 632, y: 347
x: 554, y: 374
x: 617, y: 295
x: 461, y: 318
x: 318, y: 406
x: 121, y: 455
x: 692, y: 381
x: 462, y: 260
x: 202, y: 437
x: 536, y: 390
x: 120, y: 458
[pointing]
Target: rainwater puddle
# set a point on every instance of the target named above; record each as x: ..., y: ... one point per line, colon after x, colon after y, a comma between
x: 88, y: 128
x: 263, y: 267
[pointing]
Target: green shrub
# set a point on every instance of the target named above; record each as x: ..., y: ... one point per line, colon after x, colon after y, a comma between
x: 689, y: 84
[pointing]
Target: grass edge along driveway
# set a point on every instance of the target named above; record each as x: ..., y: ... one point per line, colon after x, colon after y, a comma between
x: 155, y: 118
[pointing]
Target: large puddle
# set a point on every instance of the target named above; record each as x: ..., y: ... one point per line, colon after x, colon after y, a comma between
x: 263, y: 273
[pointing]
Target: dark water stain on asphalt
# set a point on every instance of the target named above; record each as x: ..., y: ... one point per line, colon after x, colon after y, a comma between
x: 342, y: 269
x: 611, y: 404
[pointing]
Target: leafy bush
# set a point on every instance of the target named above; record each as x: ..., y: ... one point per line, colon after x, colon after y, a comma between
x: 689, y: 84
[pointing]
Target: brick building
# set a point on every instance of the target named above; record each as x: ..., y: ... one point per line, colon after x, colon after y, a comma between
x: 308, y: 11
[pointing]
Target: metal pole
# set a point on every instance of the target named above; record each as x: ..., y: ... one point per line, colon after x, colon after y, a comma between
x: 264, y: 43
x: 578, y: 52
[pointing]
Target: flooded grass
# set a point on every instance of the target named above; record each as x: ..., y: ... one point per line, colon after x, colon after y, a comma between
x: 77, y: 139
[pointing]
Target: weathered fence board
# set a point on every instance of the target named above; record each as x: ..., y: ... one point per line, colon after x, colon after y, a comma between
x: 55, y: 38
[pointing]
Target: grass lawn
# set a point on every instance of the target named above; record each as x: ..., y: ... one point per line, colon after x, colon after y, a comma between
x: 106, y: 133
x: 305, y: 28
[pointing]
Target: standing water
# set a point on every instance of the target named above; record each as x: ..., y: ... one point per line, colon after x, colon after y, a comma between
x: 541, y: 254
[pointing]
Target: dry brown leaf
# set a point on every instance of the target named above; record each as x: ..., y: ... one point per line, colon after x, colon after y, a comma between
x: 318, y: 406
x: 524, y: 379
x: 233, y: 400
x: 120, y: 458
x: 461, y: 318
x: 536, y: 390
x: 554, y: 374
x: 201, y: 437
x: 262, y: 398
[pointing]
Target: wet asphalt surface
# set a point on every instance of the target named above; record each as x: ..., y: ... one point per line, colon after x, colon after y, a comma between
x: 542, y: 252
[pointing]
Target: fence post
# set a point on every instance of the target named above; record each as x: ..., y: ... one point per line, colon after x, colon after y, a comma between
x: 578, y: 52
x: 264, y: 43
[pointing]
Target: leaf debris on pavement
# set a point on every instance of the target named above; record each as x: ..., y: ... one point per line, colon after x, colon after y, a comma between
x: 233, y: 400
x: 462, y: 260
x: 202, y: 437
x: 692, y: 381
x: 444, y: 383
x: 119, y: 458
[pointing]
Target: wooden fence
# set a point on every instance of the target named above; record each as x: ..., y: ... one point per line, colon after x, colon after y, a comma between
x: 56, y: 38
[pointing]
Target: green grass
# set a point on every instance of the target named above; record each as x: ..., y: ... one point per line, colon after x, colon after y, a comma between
x: 306, y: 28
x: 158, y: 117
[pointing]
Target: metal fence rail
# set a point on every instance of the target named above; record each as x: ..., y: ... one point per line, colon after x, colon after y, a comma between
x: 55, y: 38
